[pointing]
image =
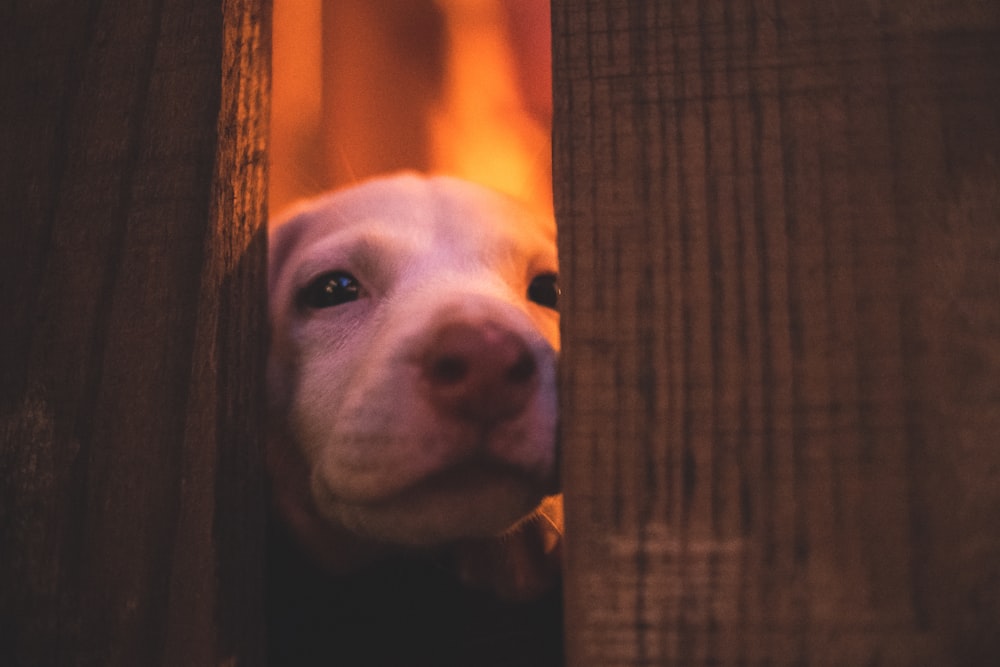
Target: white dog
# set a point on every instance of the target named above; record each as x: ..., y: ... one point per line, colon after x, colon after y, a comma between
x: 411, y: 379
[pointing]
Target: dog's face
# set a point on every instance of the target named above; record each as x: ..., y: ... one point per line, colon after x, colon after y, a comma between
x: 411, y: 373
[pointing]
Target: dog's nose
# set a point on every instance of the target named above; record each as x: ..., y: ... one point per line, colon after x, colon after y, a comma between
x: 481, y: 372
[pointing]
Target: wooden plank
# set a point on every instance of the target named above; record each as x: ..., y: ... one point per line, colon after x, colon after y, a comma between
x: 132, y: 264
x: 780, y: 246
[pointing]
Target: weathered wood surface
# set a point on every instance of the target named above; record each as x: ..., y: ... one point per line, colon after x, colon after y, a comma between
x: 132, y: 266
x: 780, y: 241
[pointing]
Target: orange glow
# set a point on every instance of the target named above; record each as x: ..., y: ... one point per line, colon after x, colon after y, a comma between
x: 296, y: 164
x: 482, y: 131
x: 460, y: 87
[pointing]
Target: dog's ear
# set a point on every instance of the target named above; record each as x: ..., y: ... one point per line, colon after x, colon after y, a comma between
x: 523, y: 563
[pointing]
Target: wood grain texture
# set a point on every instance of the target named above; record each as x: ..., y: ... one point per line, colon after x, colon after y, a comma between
x: 132, y: 268
x: 780, y: 245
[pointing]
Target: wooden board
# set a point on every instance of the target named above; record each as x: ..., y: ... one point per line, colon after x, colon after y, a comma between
x: 132, y: 269
x: 780, y: 249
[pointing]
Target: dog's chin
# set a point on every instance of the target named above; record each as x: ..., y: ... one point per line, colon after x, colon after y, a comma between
x: 467, y: 501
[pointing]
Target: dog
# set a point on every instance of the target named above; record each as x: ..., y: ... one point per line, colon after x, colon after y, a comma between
x: 411, y: 380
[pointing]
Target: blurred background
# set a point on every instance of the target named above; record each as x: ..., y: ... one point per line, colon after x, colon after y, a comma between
x: 361, y: 88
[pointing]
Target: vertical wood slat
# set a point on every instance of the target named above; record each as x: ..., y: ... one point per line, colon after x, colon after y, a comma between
x: 132, y: 269
x: 780, y: 241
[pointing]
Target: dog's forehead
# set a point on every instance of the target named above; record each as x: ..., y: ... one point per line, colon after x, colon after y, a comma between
x: 416, y: 213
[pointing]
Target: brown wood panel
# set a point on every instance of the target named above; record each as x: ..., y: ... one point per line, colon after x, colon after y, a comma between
x: 780, y: 246
x: 132, y: 268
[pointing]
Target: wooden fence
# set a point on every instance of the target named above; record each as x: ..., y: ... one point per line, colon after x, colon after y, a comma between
x: 132, y: 248
x: 780, y: 237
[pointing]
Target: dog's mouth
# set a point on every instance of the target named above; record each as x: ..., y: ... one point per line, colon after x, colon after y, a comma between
x: 475, y: 498
x: 467, y: 478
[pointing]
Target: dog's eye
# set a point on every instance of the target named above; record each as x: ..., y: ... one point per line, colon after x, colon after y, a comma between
x: 330, y: 289
x: 544, y: 290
